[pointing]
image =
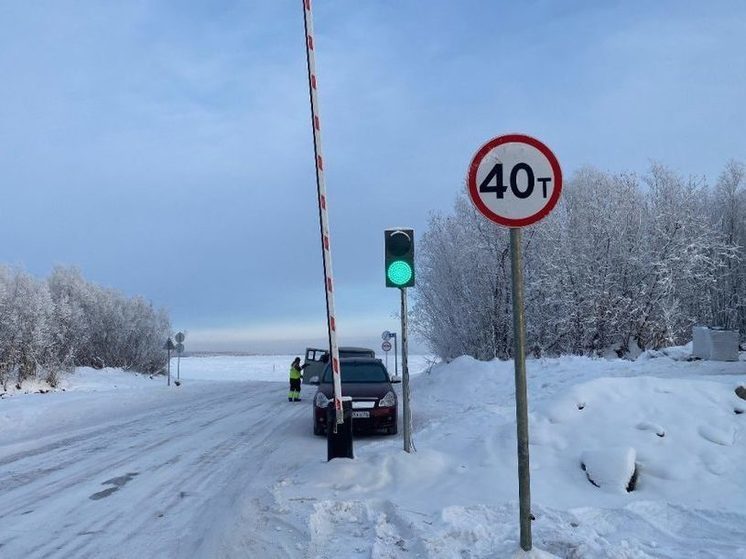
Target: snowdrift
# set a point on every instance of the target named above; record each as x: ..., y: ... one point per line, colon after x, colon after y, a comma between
x: 660, y: 438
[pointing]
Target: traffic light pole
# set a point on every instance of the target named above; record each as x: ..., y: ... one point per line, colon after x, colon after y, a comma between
x: 405, y: 373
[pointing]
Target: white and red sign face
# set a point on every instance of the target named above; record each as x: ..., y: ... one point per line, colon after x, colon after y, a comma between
x: 514, y: 180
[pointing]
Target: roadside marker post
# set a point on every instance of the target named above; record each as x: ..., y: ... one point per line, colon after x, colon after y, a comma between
x: 515, y: 180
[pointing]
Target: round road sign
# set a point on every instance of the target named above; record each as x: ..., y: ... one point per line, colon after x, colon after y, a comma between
x: 180, y: 337
x: 386, y: 336
x: 386, y: 346
x: 514, y: 180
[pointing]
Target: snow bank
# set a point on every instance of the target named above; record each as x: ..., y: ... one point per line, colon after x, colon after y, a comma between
x: 670, y: 420
x: 677, y: 353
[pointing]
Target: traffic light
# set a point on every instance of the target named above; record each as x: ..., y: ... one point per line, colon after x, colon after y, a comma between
x: 399, y: 257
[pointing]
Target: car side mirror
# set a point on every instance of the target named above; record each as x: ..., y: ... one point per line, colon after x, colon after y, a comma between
x: 396, y: 380
x: 314, y: 380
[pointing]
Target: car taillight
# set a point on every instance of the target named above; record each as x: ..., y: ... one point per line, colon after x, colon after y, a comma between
x: 388, y: 401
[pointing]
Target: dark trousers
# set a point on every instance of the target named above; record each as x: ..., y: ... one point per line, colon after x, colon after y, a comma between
x: 294, y: 388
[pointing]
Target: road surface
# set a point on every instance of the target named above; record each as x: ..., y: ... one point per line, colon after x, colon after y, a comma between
x: 192, y: 476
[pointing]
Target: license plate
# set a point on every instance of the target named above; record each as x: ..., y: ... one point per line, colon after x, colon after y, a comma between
x: 360, y: 414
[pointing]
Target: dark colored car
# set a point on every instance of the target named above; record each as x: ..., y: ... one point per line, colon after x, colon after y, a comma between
x: 374, y: 402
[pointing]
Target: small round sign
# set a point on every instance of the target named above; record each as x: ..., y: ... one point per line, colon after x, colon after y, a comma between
x: 386, y: 336
x: 386, y: 346
x: 514, y: 180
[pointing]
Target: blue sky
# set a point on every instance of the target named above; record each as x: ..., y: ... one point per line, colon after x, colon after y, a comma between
x: 164, y: 147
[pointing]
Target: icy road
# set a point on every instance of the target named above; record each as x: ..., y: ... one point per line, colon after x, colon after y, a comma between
x: 168, y: 481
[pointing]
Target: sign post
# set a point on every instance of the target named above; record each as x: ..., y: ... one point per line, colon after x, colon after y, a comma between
x: 515, y: 180
x: 386, y: 336
x: 169, y: 346
x: 386, y: 347
x: 179, y: 350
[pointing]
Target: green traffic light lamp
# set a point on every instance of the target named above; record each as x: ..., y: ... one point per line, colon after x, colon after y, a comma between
x: 399, y: 272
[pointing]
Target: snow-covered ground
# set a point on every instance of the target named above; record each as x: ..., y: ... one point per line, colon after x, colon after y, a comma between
x: 120, y: 465
x: 258, y: 367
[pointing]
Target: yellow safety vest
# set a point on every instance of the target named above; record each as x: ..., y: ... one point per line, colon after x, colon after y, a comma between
x: 294, y: 373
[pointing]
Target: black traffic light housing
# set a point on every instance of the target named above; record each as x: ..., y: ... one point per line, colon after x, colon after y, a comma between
x: 399, y: 250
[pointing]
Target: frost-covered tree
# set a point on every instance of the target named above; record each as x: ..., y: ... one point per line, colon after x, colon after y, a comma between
x: 728, y: 215
x: 622, y: 263
x: 27, y: 345
x: 47, y: 327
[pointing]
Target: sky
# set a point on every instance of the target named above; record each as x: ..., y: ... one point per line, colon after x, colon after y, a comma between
x: 164, y: 147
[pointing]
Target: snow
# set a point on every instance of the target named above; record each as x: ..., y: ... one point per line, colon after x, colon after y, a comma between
x: 610, y: 468
x: 257, y: 367
x: 122, y: 465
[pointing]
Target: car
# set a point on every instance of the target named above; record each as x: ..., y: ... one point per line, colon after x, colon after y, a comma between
x: 316, y: 359
x: 374, y: 401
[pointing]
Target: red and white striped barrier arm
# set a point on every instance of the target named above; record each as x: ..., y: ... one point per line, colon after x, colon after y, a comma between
x: 323, y: 208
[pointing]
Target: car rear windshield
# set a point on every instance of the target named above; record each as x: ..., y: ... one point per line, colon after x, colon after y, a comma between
x: 362, y: 372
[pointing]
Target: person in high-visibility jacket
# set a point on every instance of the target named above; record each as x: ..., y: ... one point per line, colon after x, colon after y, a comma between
x: 296, y: 373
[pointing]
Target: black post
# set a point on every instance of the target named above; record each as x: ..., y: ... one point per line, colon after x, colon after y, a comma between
x: 339, y: 436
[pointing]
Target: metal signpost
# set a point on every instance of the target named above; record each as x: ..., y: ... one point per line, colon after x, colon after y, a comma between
x: 179, y: 350
x: 386, y: 347
x: 169, y: 346
x: 386, y: 336
x: 515, y: 180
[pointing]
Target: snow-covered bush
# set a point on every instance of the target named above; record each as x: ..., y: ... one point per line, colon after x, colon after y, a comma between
x: 48, y: 327
x: 622, y: 263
